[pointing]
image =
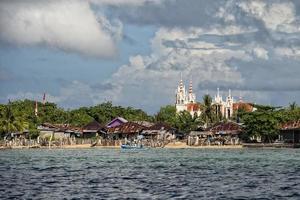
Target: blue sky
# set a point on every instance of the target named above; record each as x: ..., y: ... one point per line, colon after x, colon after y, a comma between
x: 81, y: 53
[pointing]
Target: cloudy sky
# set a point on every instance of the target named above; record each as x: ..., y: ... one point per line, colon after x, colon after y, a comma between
x: 131, y: 52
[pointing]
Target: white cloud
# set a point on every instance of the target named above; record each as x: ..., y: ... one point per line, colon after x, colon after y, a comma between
x: 260, y: 53
x: 125, y: 2
x: 152, y: 80
x: 276, y: 16
x: 66, y: 25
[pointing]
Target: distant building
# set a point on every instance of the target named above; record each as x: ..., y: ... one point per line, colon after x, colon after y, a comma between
x: 186, y: 101
x: 116, y: 122
x: 93, y: 129
x: 228, y: 107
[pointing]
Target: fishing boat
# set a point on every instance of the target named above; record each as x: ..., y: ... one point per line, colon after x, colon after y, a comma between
x: 131, y: 146
x: 136, y: 144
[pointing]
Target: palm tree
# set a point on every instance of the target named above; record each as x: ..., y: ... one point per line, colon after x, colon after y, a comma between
x: 293, y: 106
x: 9, y: 123
x: 207, y: 114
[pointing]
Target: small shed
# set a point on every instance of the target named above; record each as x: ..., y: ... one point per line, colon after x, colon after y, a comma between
x: 290, y: 132
x: 93, y: 129
x: 160, y: 131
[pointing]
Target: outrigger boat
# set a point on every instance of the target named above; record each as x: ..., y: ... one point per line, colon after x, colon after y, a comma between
x: 136, y: 144
x: 131, y: 146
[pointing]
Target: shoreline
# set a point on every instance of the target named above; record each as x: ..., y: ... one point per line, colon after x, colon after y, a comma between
x: 88, y: 146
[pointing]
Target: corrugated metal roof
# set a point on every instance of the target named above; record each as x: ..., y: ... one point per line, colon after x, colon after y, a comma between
x: 129, y: 127
x: 290, y: 125
x: 228, y: 127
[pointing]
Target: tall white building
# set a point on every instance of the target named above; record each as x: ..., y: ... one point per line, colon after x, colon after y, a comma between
x: 186, y: 101
x: 224, y: 107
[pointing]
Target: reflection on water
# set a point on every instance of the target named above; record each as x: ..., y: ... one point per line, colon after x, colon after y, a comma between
x: 150, y: 174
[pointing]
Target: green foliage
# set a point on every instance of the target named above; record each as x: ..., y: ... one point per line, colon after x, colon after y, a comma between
x: 20, y: 115
x: 185, y: 122
x: 10, y: 122
x: 266, y: 120
x: 167, y: 114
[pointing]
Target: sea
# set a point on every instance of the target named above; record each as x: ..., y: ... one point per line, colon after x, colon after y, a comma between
x: 150, y: 174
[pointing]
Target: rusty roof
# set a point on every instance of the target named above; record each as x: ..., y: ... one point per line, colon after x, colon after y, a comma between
x: 128, y: 127
x: 93, y: 125
x: 291, y: 125
x: 228, y: 127
x: 160, y: 126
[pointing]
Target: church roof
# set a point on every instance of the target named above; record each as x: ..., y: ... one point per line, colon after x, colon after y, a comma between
x: 243, y: 105
x: 193, y: 107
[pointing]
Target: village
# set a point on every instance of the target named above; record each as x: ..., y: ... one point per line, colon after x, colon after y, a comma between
x: 226, y: 131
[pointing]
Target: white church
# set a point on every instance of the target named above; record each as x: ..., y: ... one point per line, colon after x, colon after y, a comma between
x: 186, y: 100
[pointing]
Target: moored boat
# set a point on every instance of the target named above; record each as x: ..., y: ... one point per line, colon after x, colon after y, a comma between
x: 131, y: 146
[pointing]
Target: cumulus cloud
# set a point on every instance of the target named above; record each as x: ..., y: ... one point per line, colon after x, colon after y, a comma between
x: 66, y: 25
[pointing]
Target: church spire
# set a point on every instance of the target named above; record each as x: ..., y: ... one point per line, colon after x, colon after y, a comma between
x: 191, y: 87
x: 181, y: 82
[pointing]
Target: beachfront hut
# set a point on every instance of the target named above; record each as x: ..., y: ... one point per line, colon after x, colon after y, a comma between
x: 58, y: 131
x: 226, y: 132
x: 160, y: 131
x: 128, y: 130
x: 116, y: 122
x: 290, y: 132
x: 199, y: 137
x: 93, y: 129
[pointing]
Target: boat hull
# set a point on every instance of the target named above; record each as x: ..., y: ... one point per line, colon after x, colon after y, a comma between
x: 124, y: 146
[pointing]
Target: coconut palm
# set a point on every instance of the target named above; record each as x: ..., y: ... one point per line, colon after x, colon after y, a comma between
x: 293, y: 106
x: 207, y: 114
x: 9, y: 123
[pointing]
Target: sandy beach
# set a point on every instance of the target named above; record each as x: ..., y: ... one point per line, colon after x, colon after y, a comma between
x: 181, y: 145
x: 174, y: 145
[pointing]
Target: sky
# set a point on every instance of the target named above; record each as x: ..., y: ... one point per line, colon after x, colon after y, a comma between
x: 85, y: 52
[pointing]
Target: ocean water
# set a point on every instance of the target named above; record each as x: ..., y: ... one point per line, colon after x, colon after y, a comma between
x: 150, y: 174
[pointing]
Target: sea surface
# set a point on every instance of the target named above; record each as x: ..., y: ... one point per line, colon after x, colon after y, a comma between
x: 150, y: 174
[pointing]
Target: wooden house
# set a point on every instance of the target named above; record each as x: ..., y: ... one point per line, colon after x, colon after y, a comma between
x: 160, y: 131
x: 93, y: 129
x: 116, y: 122
x: 290, y: 132
x: 128, y: 130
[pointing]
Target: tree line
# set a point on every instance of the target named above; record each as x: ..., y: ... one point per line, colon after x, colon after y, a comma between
x: 264, y: 122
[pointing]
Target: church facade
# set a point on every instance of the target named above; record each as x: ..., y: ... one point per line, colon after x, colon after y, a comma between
x: 186, y: 101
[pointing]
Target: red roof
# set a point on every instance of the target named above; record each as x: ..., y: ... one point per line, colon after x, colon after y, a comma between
x: 128, y: 127
x: 193, y: 107
x: 248, y: 107
x: 290, y: 125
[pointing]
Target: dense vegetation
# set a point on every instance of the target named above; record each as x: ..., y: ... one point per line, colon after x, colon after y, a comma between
x: 264, y: 122
x: 18, y: 112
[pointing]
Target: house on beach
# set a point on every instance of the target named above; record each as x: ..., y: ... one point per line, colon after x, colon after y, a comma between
x: 93, y: 129
x: 128, y: 130
x: 290, y: 132
x: 116, y: 122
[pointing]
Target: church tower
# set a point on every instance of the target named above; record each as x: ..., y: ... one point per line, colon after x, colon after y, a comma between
x: 181, y: 97
x: 191, y: 95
